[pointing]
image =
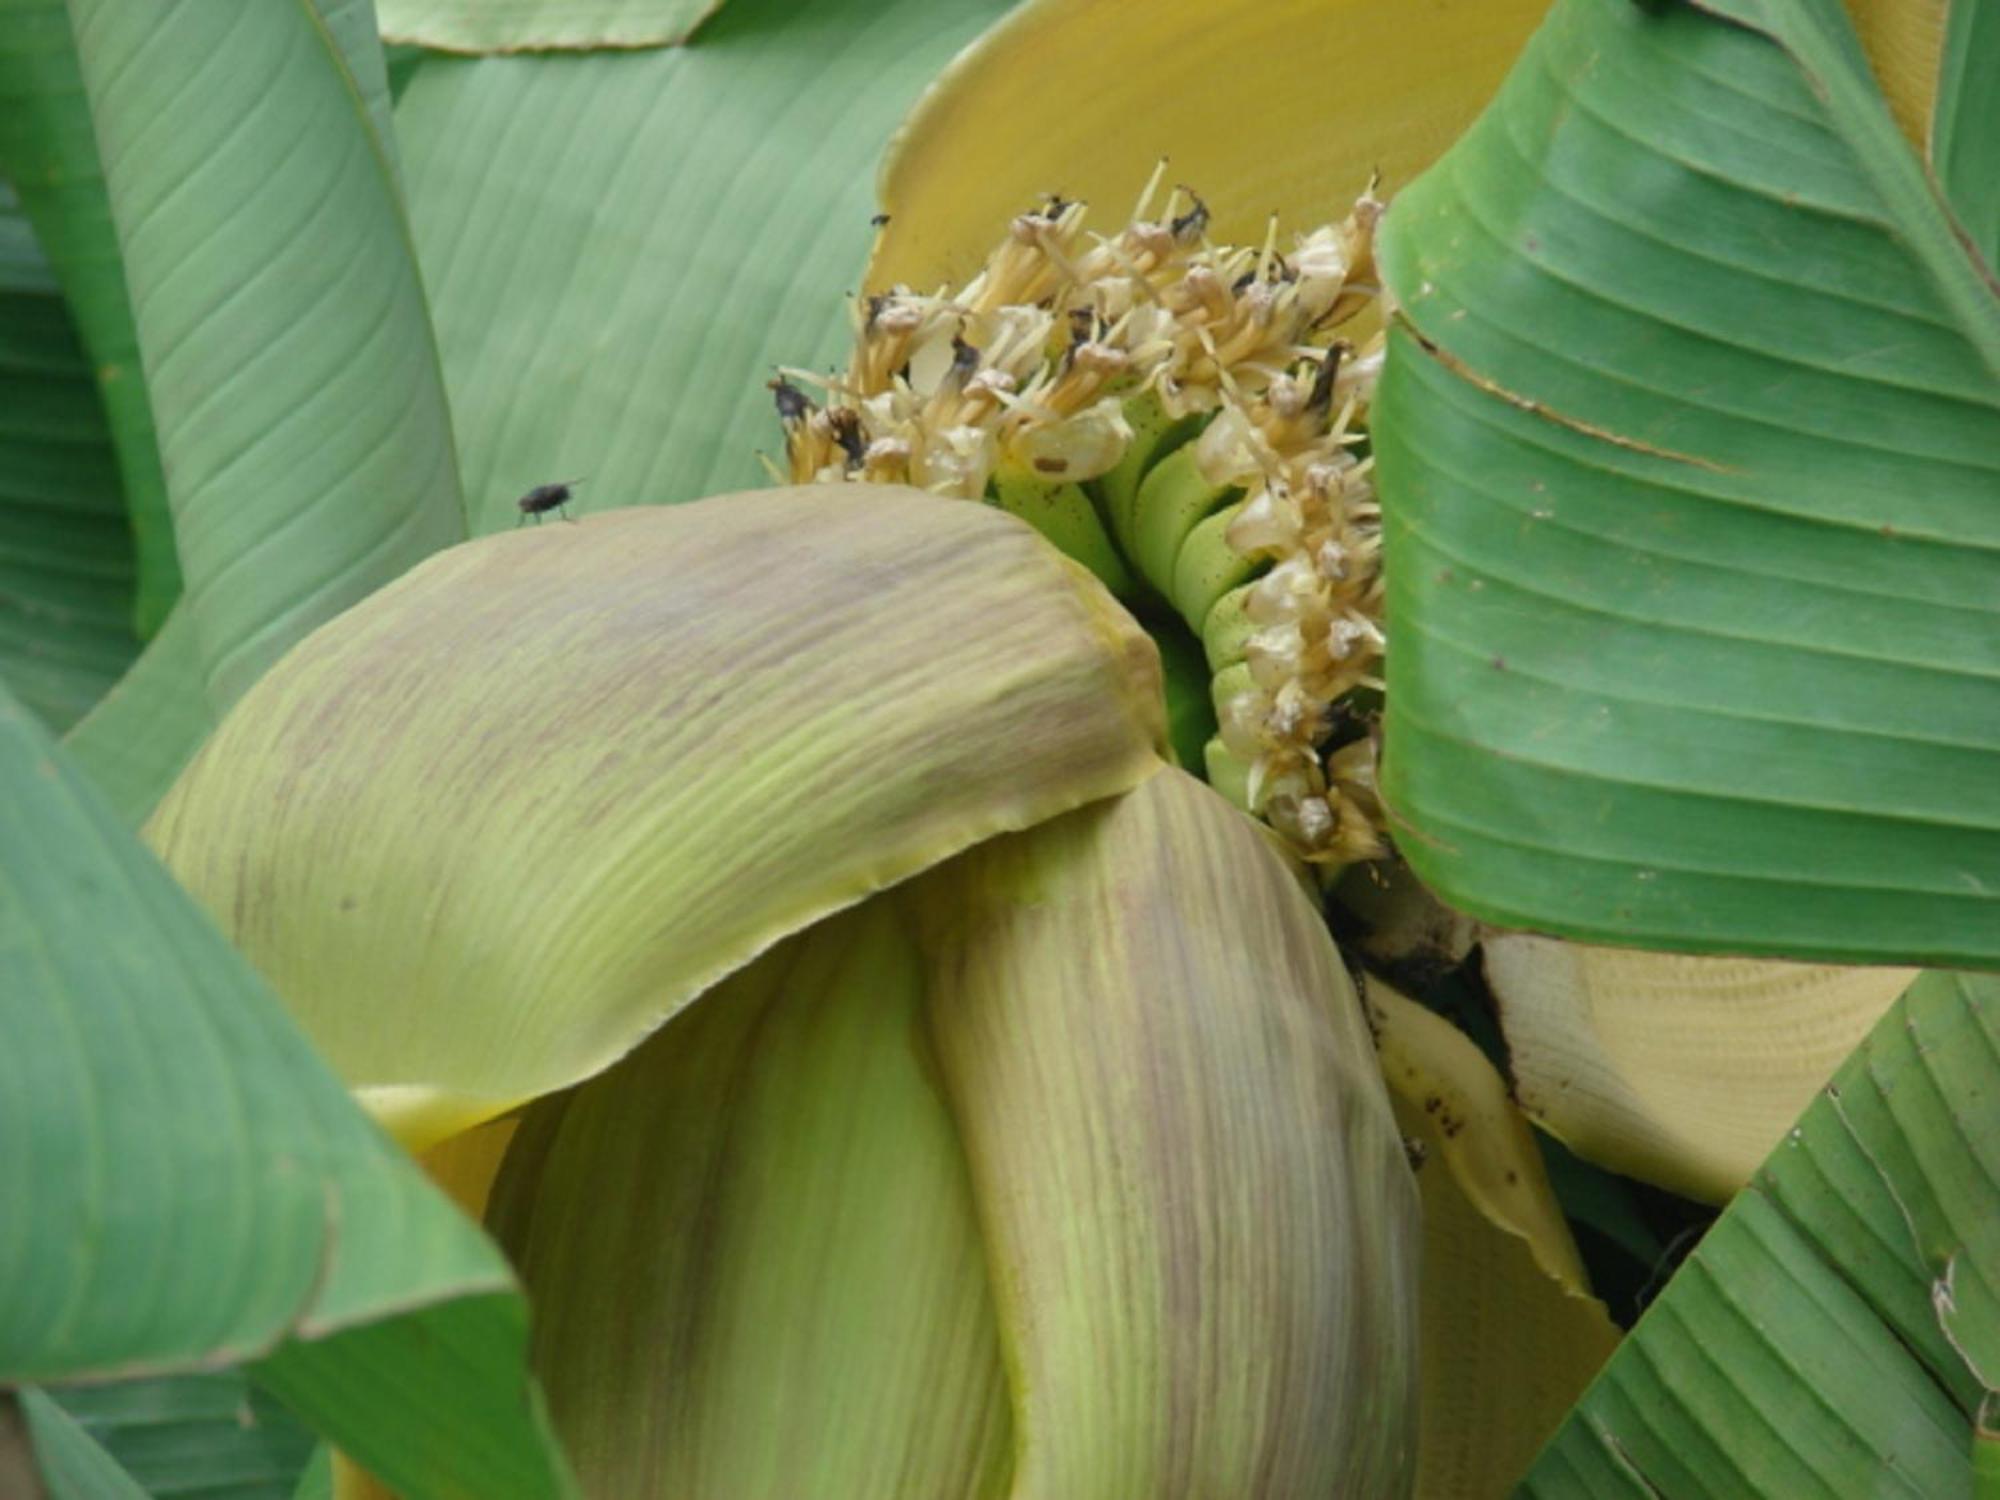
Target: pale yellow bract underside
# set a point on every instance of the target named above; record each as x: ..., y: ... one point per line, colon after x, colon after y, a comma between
x: 492, y: 827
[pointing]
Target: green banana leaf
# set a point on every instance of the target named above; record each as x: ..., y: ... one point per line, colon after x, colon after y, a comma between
x: 48, y: 148
x: 190, y: 1186
x: 194, y: 1437
x: 316, y: 1483
x: 357, y: 41
x: 1690, y: 446
x: 66, y: 567
x: 535, y: 25
x: 49, y: 152
x: 142, y: 731
x: 1837, y: 1331
x: 72, y: 1464
x: 288, y: 354
x: 1965, y: 129
x: 621, y: 246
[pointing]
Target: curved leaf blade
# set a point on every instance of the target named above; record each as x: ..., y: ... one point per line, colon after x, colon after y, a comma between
x: 1131, y: 1142
x: 357, y: 41
x: 1687, y: 451
x: 1835, y: 1332
x: 288, y: 353
x: 816, y: 1265
x: 1682, y: 1071
x: 1200, y: 1225
x: 479, y: 26
x: 49, y: 150
x: 66, y: 566
x: 200, y: 1189
x: 74, y: 1465
x: 1509, y: 1331
x: 572, y: 775
x: 1965, y: 129
x: 147, y: 727
x: 1038, y: 106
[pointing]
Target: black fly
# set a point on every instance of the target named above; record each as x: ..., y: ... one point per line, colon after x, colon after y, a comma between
x: 1189, y: 226
x: 544, y: 498
x: 1321, y: 399
x: 793, y: 407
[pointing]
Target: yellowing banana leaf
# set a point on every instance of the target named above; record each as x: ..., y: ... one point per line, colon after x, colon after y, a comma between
x: 1938, y: 62
x: 1687, y: 456
x: 489, y: 829
x: 480, y: 26
x: 1286, y: 106
x: 1678, y: 1069
x: 1904, y: 41
x: 1836, y: 1332
x: 1434, y: 1068
x: 189, y: 1186
x: 1510, y: 1334
x: 466, y: 1164
x: 1063, y: 1170
x: 620, y: 247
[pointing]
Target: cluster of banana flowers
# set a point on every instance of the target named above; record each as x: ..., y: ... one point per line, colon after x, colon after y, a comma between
x: 1063, y: 381
x: 889, y: 1076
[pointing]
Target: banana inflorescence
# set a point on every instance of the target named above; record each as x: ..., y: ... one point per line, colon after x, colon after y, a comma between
x: 1182, y: 418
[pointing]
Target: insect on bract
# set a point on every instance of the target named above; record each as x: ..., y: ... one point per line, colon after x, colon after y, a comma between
x: 544, y: 498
